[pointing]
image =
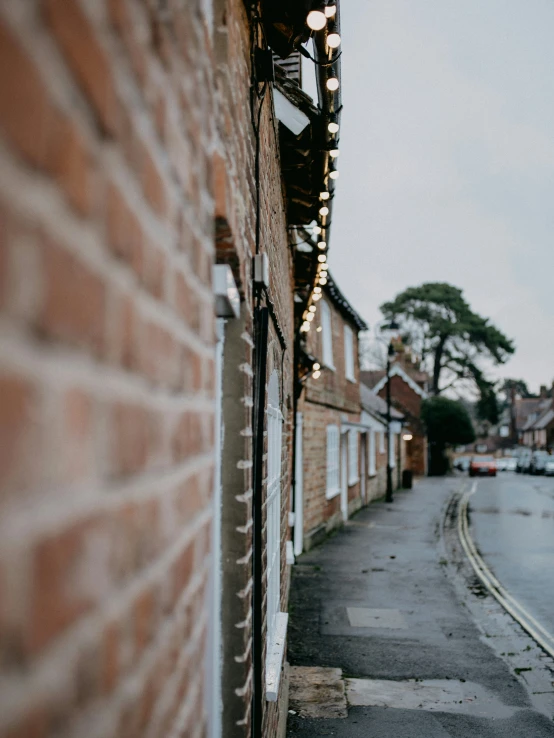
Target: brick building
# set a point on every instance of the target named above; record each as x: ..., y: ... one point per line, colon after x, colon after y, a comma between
x: 408, y: 390
x: 143, y: 576
x: 331, y: 475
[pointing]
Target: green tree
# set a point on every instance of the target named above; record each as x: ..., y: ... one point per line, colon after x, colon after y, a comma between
x: 451, y: 338
x: 448, y: 424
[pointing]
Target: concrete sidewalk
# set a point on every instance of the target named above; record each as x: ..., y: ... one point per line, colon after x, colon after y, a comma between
x: 390, y: 635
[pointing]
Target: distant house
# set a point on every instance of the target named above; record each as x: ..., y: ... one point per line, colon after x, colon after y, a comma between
x: 374, y: 414
x: 408, y: 390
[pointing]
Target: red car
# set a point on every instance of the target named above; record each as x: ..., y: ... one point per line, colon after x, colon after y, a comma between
x: 482, y: 465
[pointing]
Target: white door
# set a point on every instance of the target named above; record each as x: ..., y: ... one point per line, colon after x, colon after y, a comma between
x: 298, y: 490
x: 344, y: 475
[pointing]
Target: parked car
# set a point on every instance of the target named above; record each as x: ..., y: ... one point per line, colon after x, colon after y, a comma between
x: 511, y: 464
x: 523, y: 461
x: 462, y: 463
x: 482, y: 465
x: 538, y: 462
x: 549, y: 467
x: 501, y: 464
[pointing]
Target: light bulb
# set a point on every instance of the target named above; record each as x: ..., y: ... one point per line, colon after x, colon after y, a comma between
x: 334, y: 175
x: 312, y: 308
x: 317, y: 290
x: 310, y: 317
x: 316, y: 297
x: 334, y: 153
x: 316, y: 374
x: 322, y: 245
x: 317, y: 230
x: 319, y: 329
x: 305, y: 327
x: 316, y: 20
x: 333, y: 40
x: 332, y: 84
x: 316, y: 367
x: 333, y: 127
x: 324, y: 195
x: 323, y: 280
x: 324, y: 210
x: 330, y: 10
x: 321, y: 258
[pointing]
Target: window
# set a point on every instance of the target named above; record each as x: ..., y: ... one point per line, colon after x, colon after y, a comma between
x: 273, y: 505
x: 382, y: 442
x: 349, y: 354
x: 333, y: 461
x: 327, y: 335
x: 353, y: 475
x: 371, y: 467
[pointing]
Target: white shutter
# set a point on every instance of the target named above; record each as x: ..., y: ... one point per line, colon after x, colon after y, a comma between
x: 333, y: 461
x: 371, y: 453
x: 353, y: 475
x: 273, y: 505
x: 327, y: 335
x: 349, y: 354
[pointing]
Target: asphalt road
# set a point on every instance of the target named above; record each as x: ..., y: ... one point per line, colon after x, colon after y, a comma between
x: 512, y: 520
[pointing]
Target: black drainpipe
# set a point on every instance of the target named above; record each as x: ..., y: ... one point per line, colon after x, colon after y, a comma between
x: 261, y: 323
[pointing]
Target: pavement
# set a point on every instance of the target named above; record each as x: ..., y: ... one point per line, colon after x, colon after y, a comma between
x: 392, y: 635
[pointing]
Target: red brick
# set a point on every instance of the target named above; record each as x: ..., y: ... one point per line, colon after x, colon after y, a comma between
x: 27, y: 115
x: 144, y: 610
x: 86, y: 57
x: 125, y: 233
x: 59, y: 597
x: 74, y: 302
x: 110, y: 657
x: 153, y: 183
x: 18, y: 403
x: 74, y: 168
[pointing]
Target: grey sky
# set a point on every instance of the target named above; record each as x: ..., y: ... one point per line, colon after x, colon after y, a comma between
x: 447, y: 161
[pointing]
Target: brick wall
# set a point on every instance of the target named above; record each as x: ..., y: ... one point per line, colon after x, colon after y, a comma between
x: 329, y: 400
x: 106, y: 366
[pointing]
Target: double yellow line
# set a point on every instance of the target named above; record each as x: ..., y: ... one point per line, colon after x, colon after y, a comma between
x: 543, y: 638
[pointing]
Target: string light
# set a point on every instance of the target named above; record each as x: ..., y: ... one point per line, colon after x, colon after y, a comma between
x: 310, y: 317
x: 317, y: 230
x: 324, y: 210
x: 334, y: 153
x: 305, y: 327
x: 322, y: 258
x: 333, y: 40
x: 312, y: 308
x: 323, y: 280
x: 316, y: 367
x: 317, y: 290
x: 324, y: 195
x: 332, y: 84
x: 333, y: 127
x: 316, y: 20
x: 334, y: 174
x: 322, y: 245
x: 319, y: 329
x: 330, y: 10
x: 316, y: 374
x: 316, y: 297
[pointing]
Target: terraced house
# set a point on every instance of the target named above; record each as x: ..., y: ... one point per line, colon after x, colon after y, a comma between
x: 160, y: 168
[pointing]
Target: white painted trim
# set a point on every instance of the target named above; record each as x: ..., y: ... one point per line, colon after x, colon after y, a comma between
x: 214, y: 670
x: 274, y: 660
x: 289, y: 115
x: 289, y: 553
x: 397, y: 371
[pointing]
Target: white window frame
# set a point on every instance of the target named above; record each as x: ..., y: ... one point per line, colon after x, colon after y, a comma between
x: 276, y: 621
x: 382, y: 442
x: 327, y: 335
x: 333, y: 461
x: 349, y: 372
x: 353, y: 458
x: 371, y: 455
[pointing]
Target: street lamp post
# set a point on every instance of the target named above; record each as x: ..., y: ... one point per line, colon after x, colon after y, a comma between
x: 388, y: 496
